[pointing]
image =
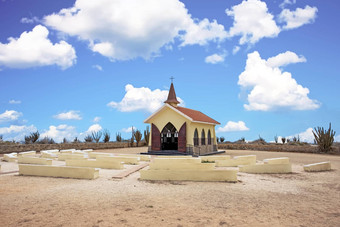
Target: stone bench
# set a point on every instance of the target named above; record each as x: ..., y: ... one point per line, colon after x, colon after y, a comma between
x: 145, y: 158
x: 45, y: 154
x: 282, y: 160
x: 67, y: 151
x: 181, y: 166
x: 173, y: 161
x: 190, y: 175
x: 12, y: 157
x: 27, y: 153
x: 98, y: 154
x: 126, y: 160
x: 59, y: 171
x: 65, y: 156
x: 34, y: 160
x: 266, y: 168
x: 237, y: 160
x: 317, y: 167
x: 213, y: 158
x: 104, y: 164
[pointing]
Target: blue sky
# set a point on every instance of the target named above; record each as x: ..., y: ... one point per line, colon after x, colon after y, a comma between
x: 259, y: 67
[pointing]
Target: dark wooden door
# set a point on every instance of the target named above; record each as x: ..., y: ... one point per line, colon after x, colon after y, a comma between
x: 155, y: 138
x: 182, y: 138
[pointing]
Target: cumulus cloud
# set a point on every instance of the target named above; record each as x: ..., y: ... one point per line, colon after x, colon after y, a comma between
x: 271, y: 88
x: 12, y: 101
x: 284, y: 59
x: 96, y: 119
x: 287, y: 2
x: 215, y: 58
x: 306, y: 136
x: 10, y: 115
x: 128, y: 130
x: 98, y: 67
x: 94, y: 128
x: 17, y: 132
x: 236, y: 49
x: 70, y: 115
x: 58, y: 133
x: 26, y: 20
x: 34, y: 48
x: 127, y: 29
x: 142, y: 98
x: 297, y: 18
x: 252, y: 22
x: 233, y: 126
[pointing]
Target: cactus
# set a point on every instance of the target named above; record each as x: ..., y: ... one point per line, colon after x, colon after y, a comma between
x: 324, y: 138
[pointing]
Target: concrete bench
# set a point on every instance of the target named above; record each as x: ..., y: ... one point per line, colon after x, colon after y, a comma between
x: 87, y: 150
x: 145, y: 158
x: 181, y: 166
x: 126, y: 160
x: 213, y: 158
x: 237, y: 160
x: 59, y: 171
x: 266, y: 168
x: 52, y: 155
x: 190, y: 175
x: 317, y: 167
x: 34, y: 160
x: 174, y: 156
x: 173, y: 161
x: 12, y: 157
x: 98, y: 154
x: 27, y: 153
x: 104, y: 164
x: 67, y: 151
x: 51, y: 151
x: 282, y: 160
x: 64, y: 156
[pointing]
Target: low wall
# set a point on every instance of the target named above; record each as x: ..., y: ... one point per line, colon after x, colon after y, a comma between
x: 266, y: 168
x: 316, y: 167
x: 8, y: 148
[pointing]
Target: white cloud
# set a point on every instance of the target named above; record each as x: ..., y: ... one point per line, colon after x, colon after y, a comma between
x: 128, y: 130
x: 297, y: 18
x: 233, y: 126
x: 236, y: 49
x: 32, y: 20
x: 284, y: 59
x: 35, y: 49
x: 94, y: 128
x: 141, y: 99
x: 306, y: 136
x: 96, y: 119
x: 17, y: 132
x: 58, y: 133
x: 98, y: 67
x: 252, y: 22
x: 10, y: 115
x: 287, y: 2
x: 70, y: 115
x: 271, y: 88
x: 127, y: 29
x: 12, y: 101
x: 203, y: 32
x: 215, y: 58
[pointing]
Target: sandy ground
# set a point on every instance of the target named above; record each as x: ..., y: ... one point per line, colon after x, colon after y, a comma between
x: 298, y: 199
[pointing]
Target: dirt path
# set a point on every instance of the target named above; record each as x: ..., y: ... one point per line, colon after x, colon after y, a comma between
x: 298, y: 199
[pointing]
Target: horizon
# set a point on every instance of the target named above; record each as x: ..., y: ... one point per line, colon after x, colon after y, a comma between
x: 260, y: 68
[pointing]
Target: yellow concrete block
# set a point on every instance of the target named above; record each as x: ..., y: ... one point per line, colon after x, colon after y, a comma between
x: 283, y: 160
x: 173, y: 161
x: 52, y: 155
x: 104, y: 164
x: 59, y: 171
x: 98, y: 154
x: 189, y: 175
x: 213, y: 158
x: 12, y: 157
x: 50, y: 151
x: 79, y: 152
x: 64, y: 156
x: 181, y: 166
x: 87, y: 150
x: 67, y: 151
x: 174, y: 156
x: 237, y: 160
x: 145, y: 158
x: 126, y: 160
x: 34, y: 160
x: 316, y: 167
x: 266, y: 168
x: 27, y: 153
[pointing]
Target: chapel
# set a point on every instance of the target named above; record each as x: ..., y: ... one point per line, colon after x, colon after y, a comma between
x: 179, y: 130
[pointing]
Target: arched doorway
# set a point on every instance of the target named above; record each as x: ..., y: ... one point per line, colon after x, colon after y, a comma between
x: 169, y: 137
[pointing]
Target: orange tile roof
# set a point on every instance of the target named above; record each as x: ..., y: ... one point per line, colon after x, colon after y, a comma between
x: 196, y: 115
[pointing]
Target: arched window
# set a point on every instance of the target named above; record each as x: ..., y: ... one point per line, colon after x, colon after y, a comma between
x: 196, y: 138
x: 209, y: 137
x: 203, y: 137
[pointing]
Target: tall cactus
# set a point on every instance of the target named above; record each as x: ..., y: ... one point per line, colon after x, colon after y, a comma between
x: 147, y: 135
x: 324, y: 138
